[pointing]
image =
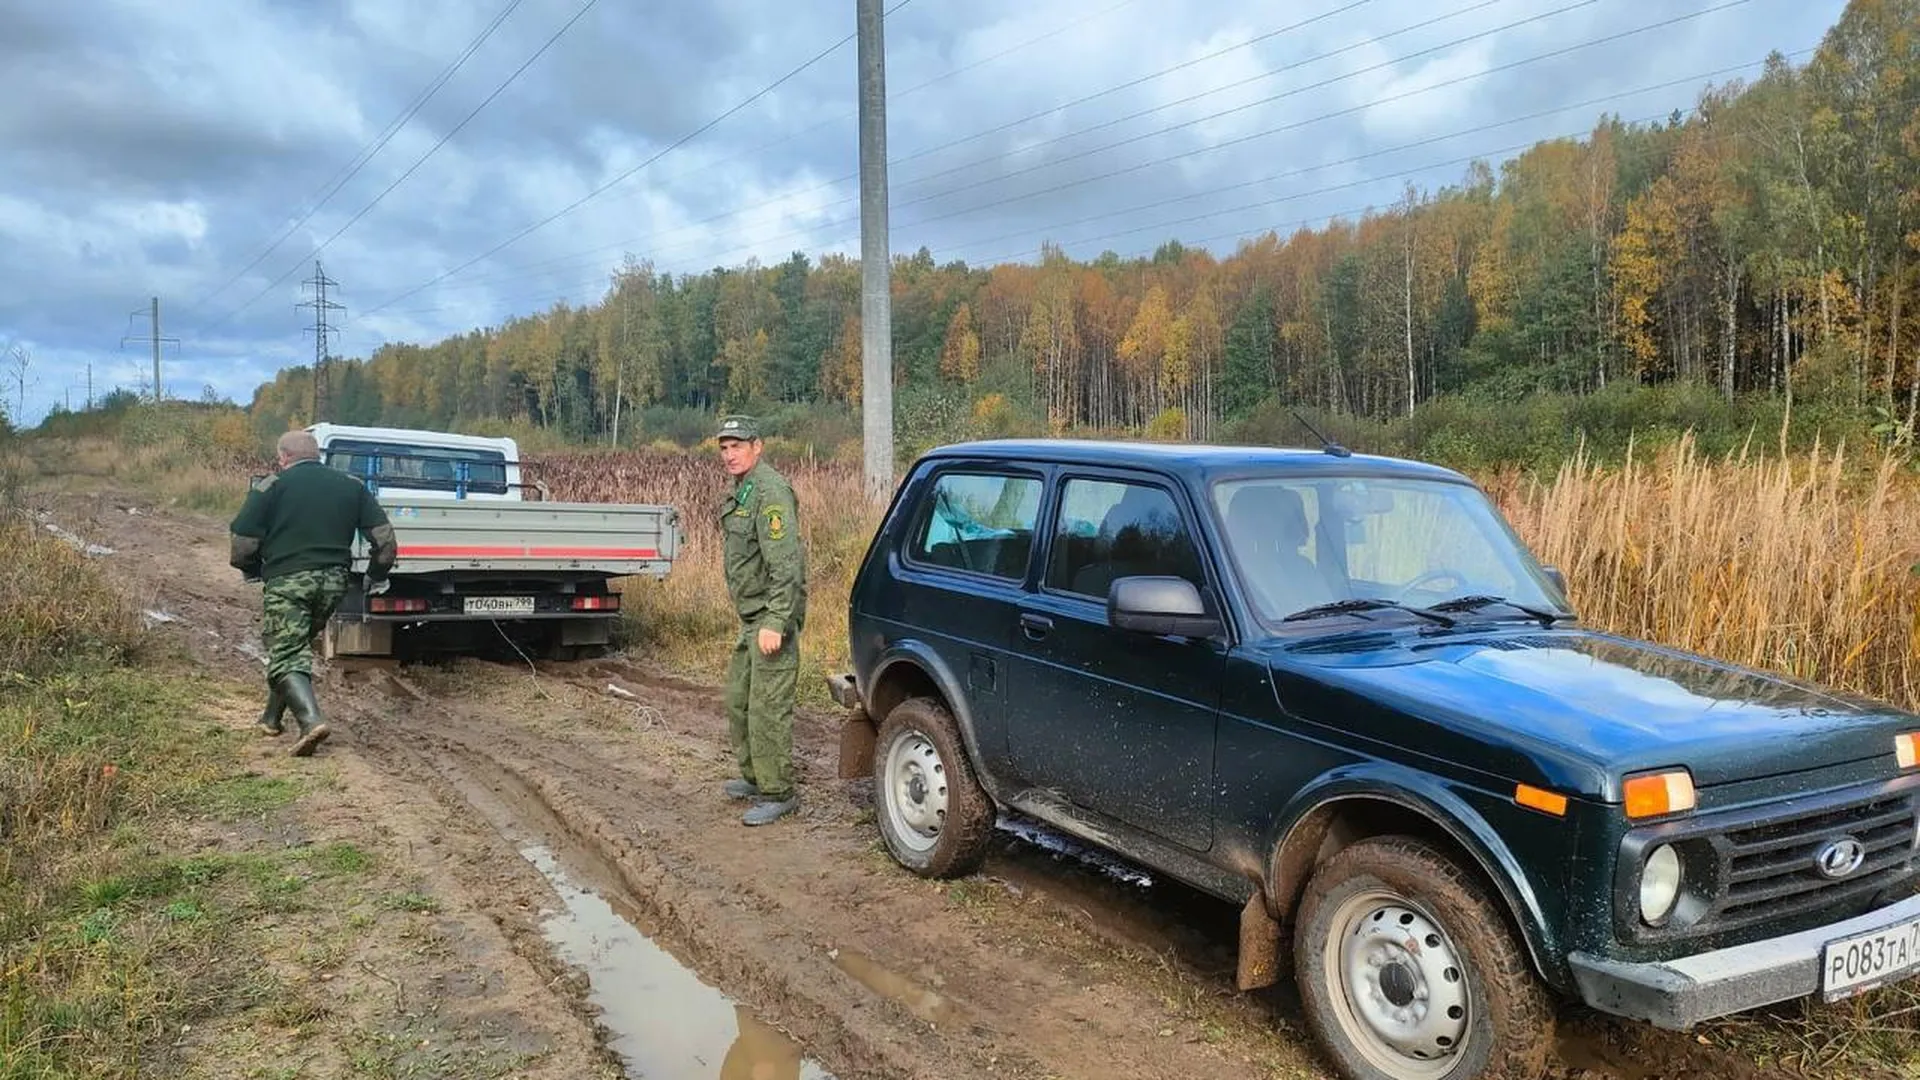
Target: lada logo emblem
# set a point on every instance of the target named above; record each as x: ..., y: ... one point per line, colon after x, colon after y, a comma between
x: 1841, y: 857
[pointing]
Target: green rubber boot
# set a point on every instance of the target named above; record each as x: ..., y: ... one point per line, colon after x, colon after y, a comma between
x: 270, y: 717
x: 298, y: 691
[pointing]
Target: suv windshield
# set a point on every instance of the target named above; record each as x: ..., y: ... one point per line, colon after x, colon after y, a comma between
x: 1299, y: 543
x: 426, y: 468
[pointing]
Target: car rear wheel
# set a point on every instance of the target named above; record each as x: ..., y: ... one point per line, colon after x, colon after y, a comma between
x: 1408, y: 971
x: 933, y: 815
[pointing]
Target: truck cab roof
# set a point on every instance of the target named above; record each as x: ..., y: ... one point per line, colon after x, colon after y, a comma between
x: 325, y: 433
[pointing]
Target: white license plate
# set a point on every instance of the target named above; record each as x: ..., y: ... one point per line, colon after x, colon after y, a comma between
x: 499, y: 605
x: 1864, y: 961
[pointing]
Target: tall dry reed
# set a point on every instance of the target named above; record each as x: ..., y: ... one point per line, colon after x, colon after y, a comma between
x: 1804, y: 565
x: 689, y: 616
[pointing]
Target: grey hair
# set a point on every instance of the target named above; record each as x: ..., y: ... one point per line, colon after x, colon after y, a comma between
x: 299, y: 446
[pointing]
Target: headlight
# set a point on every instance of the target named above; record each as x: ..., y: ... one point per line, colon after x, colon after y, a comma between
x: 1660, y: 884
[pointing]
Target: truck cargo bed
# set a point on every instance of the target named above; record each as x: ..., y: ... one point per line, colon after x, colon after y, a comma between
x: 616, y: 539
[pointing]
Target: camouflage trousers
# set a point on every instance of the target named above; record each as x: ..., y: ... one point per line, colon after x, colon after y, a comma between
x: 297, y: 608
x: 759, y: 699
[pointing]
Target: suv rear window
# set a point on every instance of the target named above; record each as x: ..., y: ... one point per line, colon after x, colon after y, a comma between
x: 980, y: 523
x: 1108, y: 529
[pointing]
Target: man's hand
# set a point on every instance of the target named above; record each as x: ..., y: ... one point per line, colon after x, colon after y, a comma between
x: 375, y: 588
x: 770, y: 642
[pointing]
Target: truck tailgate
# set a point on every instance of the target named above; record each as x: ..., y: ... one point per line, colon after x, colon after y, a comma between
x: 617, y: 539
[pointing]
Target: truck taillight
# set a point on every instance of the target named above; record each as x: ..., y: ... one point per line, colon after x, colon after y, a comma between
x: 596, y: 603
x: 396, y: 605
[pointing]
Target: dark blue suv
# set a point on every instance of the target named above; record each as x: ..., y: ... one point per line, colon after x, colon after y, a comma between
x: 1338, y: 691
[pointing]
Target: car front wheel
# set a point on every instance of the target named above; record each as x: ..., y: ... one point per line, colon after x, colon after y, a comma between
x: 1408, y: 971
x: 933, y: 815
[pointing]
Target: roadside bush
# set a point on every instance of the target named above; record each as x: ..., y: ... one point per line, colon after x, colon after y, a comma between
x: 56, y: 608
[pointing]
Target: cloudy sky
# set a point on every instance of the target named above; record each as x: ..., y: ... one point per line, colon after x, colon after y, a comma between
x: 162, y: 147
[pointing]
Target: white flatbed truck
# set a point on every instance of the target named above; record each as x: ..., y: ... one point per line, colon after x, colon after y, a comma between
x: 478, y: 561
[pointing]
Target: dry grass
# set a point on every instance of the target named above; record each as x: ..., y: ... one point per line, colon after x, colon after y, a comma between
x: 55, y: 608
x: 688, y: 618
x: 1805, y: 566
x: 105, y: 944
x: 182, y: 456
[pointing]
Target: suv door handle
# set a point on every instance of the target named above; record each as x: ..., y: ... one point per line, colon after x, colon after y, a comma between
x: 1035, y: 626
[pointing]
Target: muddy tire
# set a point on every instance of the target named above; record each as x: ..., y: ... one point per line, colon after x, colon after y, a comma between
x: 1463, y: 1004
x: 932, y: 813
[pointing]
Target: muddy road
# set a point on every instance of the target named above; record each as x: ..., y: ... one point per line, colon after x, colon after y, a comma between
x: 567, y: 820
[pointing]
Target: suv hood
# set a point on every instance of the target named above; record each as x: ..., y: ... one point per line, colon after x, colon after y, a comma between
x: 1575, y: 709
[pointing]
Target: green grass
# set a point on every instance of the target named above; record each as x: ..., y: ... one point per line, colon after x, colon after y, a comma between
x: 112, y: 937
x: 247, y: 796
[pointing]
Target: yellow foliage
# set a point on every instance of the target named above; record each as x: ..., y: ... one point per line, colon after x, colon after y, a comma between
x: 1170, y: 425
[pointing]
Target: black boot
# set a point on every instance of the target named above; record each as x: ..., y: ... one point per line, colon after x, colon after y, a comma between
x: 297, y: 689
x: 270, y: 718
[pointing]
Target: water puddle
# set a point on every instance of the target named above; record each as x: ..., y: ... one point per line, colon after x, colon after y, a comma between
x: 920, y: 1001
x: 667, y: 1024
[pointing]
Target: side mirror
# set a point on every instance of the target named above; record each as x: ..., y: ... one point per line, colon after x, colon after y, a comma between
x: 1559, y: 579
x: 1168, y: 606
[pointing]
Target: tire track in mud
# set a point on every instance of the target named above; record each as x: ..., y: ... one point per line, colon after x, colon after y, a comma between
x: 850, y: 1004
x: 1126, y: 918
x: 654, y: 890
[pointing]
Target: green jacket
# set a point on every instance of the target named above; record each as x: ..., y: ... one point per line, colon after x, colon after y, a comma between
x: 766, y: 565
x: 305, y: 519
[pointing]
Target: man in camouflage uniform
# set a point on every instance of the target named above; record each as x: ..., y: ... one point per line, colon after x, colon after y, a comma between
x: 295, y: 532
x: 766, y: 570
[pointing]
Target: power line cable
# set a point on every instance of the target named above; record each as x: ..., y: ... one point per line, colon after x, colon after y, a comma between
x: 455, y: 130
x: 1401, y: 148
x: 892, y: 96
x: 603, y: 188
x: 1212, y: 147
x: 1375, y: 40
x: 366, y: 154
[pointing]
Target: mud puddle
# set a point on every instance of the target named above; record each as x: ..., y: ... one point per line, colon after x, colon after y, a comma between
x: 922, y: 1002
x: 667, y: 1024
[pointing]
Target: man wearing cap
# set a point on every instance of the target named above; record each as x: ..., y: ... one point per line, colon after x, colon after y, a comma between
x: 766, y: 572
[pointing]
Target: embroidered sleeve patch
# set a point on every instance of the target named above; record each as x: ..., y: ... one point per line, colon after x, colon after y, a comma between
x: 776, y: 523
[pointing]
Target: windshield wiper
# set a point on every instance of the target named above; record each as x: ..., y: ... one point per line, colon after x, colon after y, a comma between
x: 1359, y: 604
x: 1475, y: 603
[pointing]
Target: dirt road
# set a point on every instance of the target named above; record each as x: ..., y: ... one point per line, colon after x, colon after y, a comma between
x: 602, y: 906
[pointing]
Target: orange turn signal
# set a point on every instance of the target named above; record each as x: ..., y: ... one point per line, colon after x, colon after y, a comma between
x: 1906, y: 749
x: 1547, y: 802
x: 1659, y: 794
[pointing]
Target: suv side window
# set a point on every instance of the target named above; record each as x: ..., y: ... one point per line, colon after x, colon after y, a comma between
x: 1112, y: 529
x: 979, y: 523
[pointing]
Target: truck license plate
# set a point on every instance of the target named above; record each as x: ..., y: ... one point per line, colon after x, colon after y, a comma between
x: 499, y: 605
x: 1864, y: 961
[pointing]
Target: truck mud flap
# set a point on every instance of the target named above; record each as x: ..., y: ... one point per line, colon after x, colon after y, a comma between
x: 1259, y: 964
x: 857, y: 738
x: 350, y: 638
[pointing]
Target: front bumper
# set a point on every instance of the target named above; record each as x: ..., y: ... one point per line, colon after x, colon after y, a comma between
x: 1678, y: 994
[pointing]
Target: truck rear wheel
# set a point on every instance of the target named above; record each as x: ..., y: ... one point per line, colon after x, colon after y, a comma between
x: 1408, y: 971
x: 934, y: 816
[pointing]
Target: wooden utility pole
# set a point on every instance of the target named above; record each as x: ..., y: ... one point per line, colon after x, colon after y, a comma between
x: 876, y: 301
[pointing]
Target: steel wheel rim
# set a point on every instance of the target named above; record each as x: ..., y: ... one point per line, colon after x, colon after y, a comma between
x: 915, y: 791
x: 1399, y: 986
